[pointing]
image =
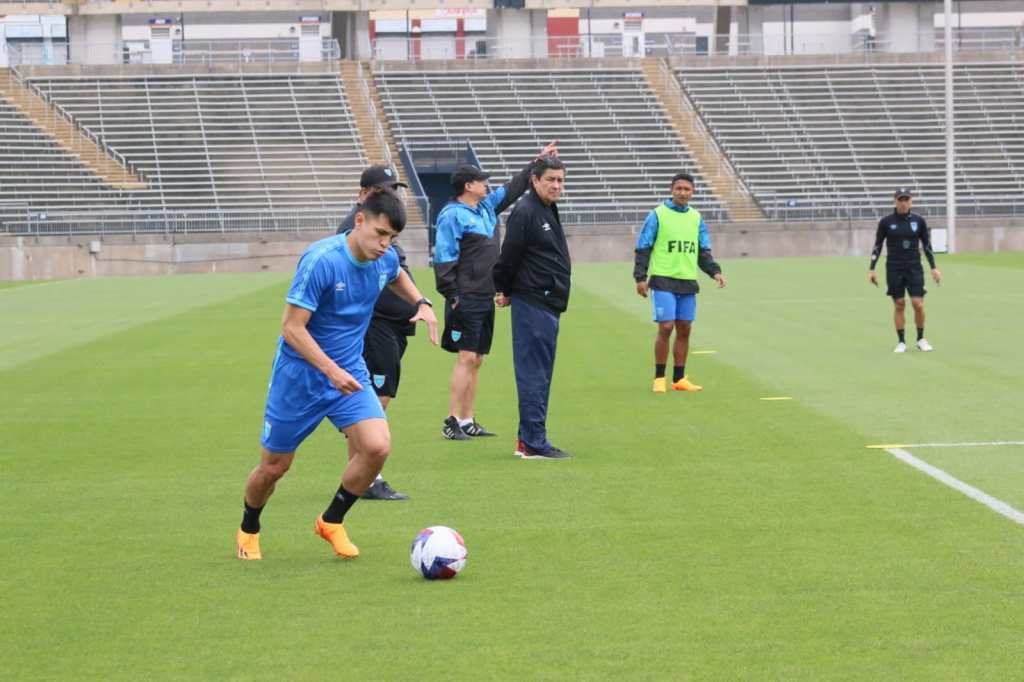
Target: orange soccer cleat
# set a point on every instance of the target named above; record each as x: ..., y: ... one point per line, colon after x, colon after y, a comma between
x: 335, y: 534
x: 248, y: 545
x: 685, y: 384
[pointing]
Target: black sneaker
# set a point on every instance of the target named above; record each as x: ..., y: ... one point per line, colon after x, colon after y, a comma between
x: 475, y: 430
x: 452, y: 430
x: 380, y: 490
x: 526, y: 452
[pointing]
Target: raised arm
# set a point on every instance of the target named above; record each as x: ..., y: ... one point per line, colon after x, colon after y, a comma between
x: 506, y: 195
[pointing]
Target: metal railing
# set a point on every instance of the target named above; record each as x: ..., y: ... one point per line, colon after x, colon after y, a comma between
x: 710, y: 141
x: 114, y: 155
x: 50, y: 223
x: 188, y: 52
x: 421, y: 48
x: 371, y: 109
x: 825, y: 209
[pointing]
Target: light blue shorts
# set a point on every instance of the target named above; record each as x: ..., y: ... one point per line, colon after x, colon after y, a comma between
x: 669, y: 306
x: 299, y: 398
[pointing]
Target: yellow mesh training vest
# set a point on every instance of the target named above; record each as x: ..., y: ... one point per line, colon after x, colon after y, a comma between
x: 677, y: 245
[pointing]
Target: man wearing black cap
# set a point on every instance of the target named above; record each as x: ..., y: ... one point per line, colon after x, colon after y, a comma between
x: 900, y: 232
x: 385, y: 341
x: 465, y: 251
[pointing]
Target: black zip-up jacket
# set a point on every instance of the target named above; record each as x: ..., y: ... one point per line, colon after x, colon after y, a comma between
x: 900, y: 234
x: 390, y: 308
x: 465, y: 252
x: 534, y: 261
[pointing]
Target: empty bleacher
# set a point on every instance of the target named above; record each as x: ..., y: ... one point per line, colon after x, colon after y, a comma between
x: 35, y: 172
x: 209, y: 142
x: 620, y: 150
x: 838, y: 139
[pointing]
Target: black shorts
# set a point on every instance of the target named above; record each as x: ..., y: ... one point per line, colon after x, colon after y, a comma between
x: 383, y: 349
x: 470, y: 326
x: 901, y: 281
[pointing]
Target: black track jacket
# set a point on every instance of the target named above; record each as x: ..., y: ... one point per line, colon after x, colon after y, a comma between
x: 534, y: 261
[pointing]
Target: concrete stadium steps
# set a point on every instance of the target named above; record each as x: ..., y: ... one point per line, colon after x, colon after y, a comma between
x: 378, y: 151
x: 712, y: 163
x: 65, y: 135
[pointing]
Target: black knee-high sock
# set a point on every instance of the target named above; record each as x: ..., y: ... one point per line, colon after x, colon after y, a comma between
x: 901, y: 334
x: 920, y: 333
x: 251, y: 518
x: 678, y: 372
x: 339, y: 506
x: 659, y: 370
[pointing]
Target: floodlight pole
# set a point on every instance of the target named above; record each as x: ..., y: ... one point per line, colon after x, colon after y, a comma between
x: 950, y: 141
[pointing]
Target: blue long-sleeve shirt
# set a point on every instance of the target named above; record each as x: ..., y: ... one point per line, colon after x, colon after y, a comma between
x: 645, y: 244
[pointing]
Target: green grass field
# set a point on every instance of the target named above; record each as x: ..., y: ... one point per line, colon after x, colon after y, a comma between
x: 692, y: 536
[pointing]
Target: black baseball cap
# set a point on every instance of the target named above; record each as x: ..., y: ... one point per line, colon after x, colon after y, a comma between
x: 902, y: 192
x: 466, y: 173
x: 380, y: 176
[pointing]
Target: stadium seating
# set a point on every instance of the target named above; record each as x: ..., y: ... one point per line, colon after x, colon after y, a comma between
x: 207, y: 142
x: 826, y: 140
x: 618, y: 146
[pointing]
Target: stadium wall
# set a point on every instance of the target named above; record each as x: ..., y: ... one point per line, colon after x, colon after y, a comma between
x: 30, y: 257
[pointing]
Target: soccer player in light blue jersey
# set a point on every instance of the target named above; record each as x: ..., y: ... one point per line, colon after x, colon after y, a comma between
x: 319, y: 370
x: 673, y: 245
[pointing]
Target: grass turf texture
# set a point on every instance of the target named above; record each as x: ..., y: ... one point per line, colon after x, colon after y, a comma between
x: 707, y: 536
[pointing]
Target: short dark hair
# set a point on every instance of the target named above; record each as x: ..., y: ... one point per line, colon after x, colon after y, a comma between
x: 546, y: 163
x: 384, y: 201
x: 683, y: 176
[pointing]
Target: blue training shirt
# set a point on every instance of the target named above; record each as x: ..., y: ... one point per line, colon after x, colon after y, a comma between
x: 341, y: 293
x: 649, y: 233
x: 457, y: 219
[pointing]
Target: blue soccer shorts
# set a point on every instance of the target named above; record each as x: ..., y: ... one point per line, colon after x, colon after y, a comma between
x: 299, y: 398
x: 669, y: 306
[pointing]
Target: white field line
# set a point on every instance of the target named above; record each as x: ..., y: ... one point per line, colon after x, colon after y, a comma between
x: 996, y: 505
x: 886, y: 446
x: 965, y: 445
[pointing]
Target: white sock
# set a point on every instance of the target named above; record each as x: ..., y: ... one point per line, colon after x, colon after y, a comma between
x: 379, y: 478
x: 465, y: 422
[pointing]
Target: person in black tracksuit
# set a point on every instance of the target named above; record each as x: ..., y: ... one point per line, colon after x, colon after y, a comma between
x: 533, y: 275
x: 900, y: 233
x: 386, y: 337
x: 465, y: 250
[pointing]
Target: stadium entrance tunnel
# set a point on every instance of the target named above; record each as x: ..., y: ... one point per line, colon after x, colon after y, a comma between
x: 429, y: 166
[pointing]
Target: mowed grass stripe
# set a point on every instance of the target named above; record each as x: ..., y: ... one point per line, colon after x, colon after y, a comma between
x: 700, y: 536
x: 46, y: 318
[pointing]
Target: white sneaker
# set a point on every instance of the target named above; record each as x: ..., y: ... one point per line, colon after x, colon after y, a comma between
x: 900, y: 348
x: 924, y: 345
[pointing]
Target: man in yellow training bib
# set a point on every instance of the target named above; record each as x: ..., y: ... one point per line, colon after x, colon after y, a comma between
x: 673, y: 244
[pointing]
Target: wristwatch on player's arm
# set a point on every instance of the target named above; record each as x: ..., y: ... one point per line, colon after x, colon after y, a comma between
x: 424, y: 301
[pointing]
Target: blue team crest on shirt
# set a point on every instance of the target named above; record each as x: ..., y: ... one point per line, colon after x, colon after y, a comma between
x: 378, y: 380
x: 456, y: 335
x: 913, y: 226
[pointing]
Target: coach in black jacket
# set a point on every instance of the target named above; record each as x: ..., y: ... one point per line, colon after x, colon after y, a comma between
x: 533, y: 275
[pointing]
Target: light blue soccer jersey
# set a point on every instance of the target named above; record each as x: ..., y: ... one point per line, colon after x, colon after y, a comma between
x: 341, y: 293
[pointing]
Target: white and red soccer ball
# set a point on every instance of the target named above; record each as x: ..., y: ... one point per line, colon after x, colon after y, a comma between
x: 438, y: 553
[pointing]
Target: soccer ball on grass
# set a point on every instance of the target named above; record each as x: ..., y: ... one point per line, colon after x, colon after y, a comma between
x: 438, y: 553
